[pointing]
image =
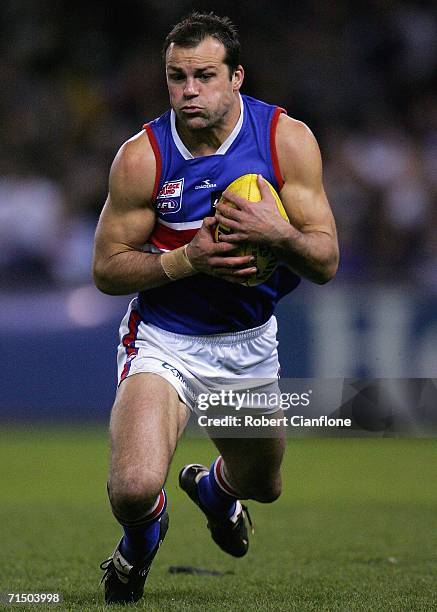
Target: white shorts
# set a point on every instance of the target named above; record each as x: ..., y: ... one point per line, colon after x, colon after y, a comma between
x: 199, y: 365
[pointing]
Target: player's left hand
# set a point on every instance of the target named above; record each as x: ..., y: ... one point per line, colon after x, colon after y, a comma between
x: 259, y: 222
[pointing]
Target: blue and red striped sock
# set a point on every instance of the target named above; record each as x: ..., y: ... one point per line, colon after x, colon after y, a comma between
x: 215, y: 492
x: 141, y: 537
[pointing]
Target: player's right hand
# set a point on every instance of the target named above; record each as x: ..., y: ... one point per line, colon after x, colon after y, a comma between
x: 216, y: 259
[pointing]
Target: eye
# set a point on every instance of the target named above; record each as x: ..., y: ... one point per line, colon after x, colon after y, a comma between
x: 206, y: 76
x: 176, y: 76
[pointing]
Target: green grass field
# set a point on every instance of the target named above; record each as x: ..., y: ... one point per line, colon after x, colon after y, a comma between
x: 356, y: 528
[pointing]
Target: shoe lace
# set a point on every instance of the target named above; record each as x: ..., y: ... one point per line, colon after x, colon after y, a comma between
x: 105, y: 566
x: 249, y: 520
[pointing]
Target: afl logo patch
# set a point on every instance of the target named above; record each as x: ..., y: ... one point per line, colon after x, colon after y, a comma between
x: 169, y: 199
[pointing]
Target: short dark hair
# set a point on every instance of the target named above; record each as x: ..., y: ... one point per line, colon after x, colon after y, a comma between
x: 196, y: 26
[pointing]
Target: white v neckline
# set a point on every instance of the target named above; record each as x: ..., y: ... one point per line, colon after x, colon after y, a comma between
x: 223, y: 148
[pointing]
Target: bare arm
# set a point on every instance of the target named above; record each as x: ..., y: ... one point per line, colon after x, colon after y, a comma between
x: 308, y: 244
x: 127, y: 220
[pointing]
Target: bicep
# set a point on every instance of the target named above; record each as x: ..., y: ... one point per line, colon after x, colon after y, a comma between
x: 303, y: 195
x: 307, y: 208
x: 121, y: 230
x: 128, y: 217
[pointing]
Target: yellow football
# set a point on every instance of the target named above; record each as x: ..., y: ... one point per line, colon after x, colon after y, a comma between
x: 246, y: 186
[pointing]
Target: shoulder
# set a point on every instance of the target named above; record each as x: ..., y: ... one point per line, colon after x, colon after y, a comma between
x: 297, y: 148
x: 134, y: 168
x: 295, y: 136
x: 134, y: 157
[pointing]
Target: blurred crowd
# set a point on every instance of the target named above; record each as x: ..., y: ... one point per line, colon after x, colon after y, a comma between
x: 79, y: 79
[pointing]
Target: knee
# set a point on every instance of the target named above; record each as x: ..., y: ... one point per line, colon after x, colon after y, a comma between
x: 132, y: 495
x: 265, y: 490
x: 268, y: 493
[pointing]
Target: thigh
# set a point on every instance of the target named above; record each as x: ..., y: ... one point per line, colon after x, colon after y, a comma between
x: 146, y: 421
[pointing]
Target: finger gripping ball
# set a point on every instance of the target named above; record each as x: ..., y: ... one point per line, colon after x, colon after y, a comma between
x: 246, y: 186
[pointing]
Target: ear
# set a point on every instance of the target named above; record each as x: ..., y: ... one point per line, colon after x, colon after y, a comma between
x: 237, y: 78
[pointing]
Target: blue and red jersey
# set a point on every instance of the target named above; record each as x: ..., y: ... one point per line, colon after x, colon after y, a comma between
x: 186, y: 190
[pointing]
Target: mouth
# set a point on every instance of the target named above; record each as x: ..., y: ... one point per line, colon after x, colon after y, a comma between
x: 191, y: 110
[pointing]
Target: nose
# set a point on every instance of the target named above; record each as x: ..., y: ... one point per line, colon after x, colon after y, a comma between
x: 190, y: 89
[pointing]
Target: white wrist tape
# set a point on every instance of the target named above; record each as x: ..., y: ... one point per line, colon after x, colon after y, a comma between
x: 176, y: 263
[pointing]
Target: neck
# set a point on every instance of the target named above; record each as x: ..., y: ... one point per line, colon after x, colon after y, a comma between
x: 208, y: 140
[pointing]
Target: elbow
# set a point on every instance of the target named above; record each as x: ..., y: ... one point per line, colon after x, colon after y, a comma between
x: 102, y: 280
x: 328, y: 271
x: 324, y: 278
x: 103, y: 285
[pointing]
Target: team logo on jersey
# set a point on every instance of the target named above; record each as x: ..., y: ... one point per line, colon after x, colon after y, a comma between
x: 169, y: 199
x: 206, y: 184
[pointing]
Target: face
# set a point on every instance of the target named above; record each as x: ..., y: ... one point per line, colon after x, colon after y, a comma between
x: 202, y: 92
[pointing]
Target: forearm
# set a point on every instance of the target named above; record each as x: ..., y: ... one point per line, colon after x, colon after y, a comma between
x: 129, y: 272
x: 313, y: 255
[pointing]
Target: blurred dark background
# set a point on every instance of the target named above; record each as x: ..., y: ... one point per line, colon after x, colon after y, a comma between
x: 78, y: 79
